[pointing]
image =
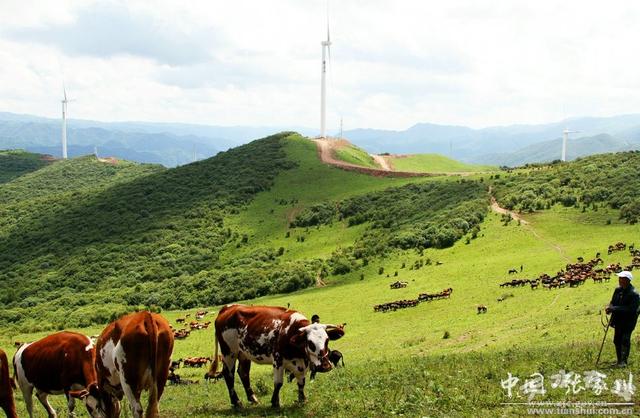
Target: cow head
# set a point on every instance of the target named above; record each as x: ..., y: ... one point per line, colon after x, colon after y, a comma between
x: 314, y: 339
x: 91, y: 397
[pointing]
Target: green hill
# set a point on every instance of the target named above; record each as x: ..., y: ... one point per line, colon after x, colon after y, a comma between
x: 433, y: 163
x: 134, y: 235
x: 15, y: 163
x: 212, y: 235
x: 350, y: 153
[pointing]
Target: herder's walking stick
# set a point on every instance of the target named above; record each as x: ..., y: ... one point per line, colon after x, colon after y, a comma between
x: 603, y: 338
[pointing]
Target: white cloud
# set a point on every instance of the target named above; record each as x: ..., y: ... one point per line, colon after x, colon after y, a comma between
x: 254, y: 62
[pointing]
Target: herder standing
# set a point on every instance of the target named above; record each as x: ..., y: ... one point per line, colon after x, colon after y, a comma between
x: 624, y: 315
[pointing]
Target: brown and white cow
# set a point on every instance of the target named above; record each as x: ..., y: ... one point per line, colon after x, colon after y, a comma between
x: 134, y: 354
x: 59, y: 363
x: 6, y: 388
x: 269, y: 335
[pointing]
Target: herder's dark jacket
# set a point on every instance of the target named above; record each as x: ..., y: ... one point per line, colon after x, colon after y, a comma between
x: 624, y: 307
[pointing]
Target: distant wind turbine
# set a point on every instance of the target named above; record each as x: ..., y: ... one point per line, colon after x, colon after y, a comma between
x: 565, y: 138
x: 64, y: 122
x: 326, y: 51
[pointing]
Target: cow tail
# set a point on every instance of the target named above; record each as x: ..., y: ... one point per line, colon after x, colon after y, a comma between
x: 152, y: 331
x: 213, y: 371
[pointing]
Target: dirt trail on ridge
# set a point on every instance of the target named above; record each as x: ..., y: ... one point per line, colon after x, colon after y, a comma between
x: 495, y: 206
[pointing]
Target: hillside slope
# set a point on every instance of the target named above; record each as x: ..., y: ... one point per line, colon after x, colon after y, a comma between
x: 15, y: 163
x: 437, y: 358
x: 433, y: 163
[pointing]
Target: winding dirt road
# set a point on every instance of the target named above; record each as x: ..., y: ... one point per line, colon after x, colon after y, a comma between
x: 325, y: 151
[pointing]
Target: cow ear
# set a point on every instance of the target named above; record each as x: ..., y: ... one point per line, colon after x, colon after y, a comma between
x: 335, y: 333
x: 300, y: 339
x: 79, y: 394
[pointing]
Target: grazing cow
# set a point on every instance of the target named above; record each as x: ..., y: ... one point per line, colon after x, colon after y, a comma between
x: 482, y: 309
x: 60, y: 363
x: 269, y: 335
x: 134, y: 354
x: 6, y: 388
x: 335, y: 357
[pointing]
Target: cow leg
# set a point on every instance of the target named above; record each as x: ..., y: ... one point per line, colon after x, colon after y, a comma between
x: 228, y: 372
x: 301, y: 380
x: 42, y: 397
x: 244, y: 366
x: 278, y: 375
x: 27, y: 395
x: 71, y: 404
x: 133, y: 397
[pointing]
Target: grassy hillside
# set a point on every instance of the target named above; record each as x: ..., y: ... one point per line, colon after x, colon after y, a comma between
x: 126, y: 236
x: 607, y: 180
x: 439, y: 358
x: 433, y: 163
x: 15, y: 163
x: 104, y: 242
x: 352, y: 154
x: 402, y: 357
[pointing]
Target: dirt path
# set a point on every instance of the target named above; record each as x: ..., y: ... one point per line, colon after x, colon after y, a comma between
x: 325, y: 151
x: 498, y: 209
x: 326, y: 154
x: 382, y: 162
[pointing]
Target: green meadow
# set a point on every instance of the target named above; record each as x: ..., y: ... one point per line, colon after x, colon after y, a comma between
x: 434, y: 163
x: 354, y: 155
x: 439, y: 358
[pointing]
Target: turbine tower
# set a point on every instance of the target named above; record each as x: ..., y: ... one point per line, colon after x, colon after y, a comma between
x: 64, y: 123
x: 326, y: 52
x: 565, y: 138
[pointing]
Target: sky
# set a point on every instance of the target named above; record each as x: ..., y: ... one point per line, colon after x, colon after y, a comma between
x: 257, y: 62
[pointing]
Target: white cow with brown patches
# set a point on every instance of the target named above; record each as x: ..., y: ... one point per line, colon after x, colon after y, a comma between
x: 269, y: 335
x: 134, y: 354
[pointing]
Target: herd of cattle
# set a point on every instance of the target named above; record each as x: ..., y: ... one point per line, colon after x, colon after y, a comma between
x: 133, y: 354
x: 409, y: 303
x: 574, y: 275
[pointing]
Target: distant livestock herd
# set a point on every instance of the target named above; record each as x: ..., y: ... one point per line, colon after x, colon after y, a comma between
x: 409, y: 303
x: 574, y: 275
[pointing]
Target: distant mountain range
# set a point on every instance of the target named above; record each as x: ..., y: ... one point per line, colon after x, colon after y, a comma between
x: 173, y: 144
x: 506, y: 145
x: 169, y: 144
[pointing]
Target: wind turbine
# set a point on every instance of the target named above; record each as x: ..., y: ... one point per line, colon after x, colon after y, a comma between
x: 326, y: 51
x: 565, y: 138
x: 64, y: 122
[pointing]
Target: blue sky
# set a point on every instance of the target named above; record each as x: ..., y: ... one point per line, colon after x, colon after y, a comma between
x: 250, y: 62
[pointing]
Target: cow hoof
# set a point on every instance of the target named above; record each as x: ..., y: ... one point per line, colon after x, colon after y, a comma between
x: 254, y: 400
x: 237, y: 406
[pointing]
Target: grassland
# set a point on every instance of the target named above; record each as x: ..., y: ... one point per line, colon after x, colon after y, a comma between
x: 352, y: 154
x: 399, y: 363
x: 433, y: 163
